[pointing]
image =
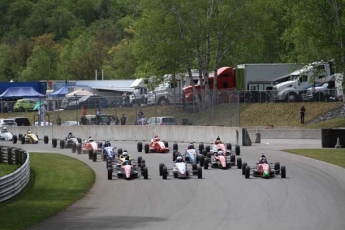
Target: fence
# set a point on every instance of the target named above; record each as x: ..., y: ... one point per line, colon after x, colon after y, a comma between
x: 12, y: 184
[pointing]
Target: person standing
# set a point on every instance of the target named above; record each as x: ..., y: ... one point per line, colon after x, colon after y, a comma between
x: 123, y: 119
x: 41, y: 115
x: 302, y: 113
x: 98, y: 116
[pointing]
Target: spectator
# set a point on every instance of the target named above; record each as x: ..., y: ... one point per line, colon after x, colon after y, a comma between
x: 117, y: 121
x: 302, y: 112
x: 123, y: 120
x: 83, y: 112
x: 140, y: 115
x: 98, y: 116
x: 41, y: 114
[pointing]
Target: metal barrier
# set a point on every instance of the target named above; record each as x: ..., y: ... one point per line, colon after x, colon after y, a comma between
x: 12, y: 184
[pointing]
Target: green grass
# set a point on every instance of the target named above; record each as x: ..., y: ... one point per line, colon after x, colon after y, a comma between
x: 251, y: 115
x: 7, y: 169
x: 56, y: 182
x: 333, y: 156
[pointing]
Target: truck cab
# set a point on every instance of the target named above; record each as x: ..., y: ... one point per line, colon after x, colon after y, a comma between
x: 300, y: 80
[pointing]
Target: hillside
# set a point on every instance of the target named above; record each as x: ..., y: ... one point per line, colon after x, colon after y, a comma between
x: 277, y: 114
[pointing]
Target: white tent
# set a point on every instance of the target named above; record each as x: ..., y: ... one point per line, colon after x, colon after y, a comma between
x: 80, y: 93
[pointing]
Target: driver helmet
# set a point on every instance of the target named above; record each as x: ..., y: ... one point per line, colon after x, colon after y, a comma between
x: 191, y: 146
x: 179, y: 159
x: 90, y: 139
x: 157, y: 138
x: 220, y: 152
x: 4, y: 129
x: 29, y: 131
x: 70, y: 134
x: 125, y: 153
x: 107, y: 144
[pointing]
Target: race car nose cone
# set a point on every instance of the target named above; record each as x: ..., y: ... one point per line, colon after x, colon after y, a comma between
x: 265, y: 174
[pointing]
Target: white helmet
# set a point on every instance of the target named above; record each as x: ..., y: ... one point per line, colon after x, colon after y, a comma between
x: 125, y: 153
x: 4, y: 129
x: 220, y: 152
x: 90, y: 139
x: 179, y: 159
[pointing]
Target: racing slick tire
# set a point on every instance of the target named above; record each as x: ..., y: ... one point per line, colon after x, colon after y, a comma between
x: 239, y: 162
x: 46, y: 139
x: 99, y: 145
x: 201, y: 160
x: 199, y: 172
x: 54, y: 142
x: 228, y: 146
x: 175, y: 146
x: 165, y: 173
x: 147, y: 148
x: 14, y: 139
x: 208, y: 148
x: 206, y: 163
x: 194, y: 167
x: 201, y: 147
x: 232, y: 158
x: 20, y: 136
x: 145, y: 173
x: 62, y: 144
x: 74, y: 147
x: 78, y: 148
x: 119, y: 152
x: 208, y: 155
x: 161, y: 165
x: 203, y: 152
x: 174, y: 155
x: 244, y: 165
x: 140, y: 147
x: 79, y: 140
x: 166, y: 144
x: 94, y: 156
x: 23, y: 140
x: 110, y: 174
x: 237, y: 150
x: 277, y: 168
x: 143, y: 164
x: 283, y: 171
x: 139, y: 160
x: 247, y: 173
x: 90, y: 154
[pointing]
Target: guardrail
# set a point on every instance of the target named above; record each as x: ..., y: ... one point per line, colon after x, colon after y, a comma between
x: 12, y: 184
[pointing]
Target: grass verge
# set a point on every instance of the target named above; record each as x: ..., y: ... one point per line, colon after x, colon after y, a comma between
x: 333, y: 156
x: 6, y: 169
x: 56, y: 182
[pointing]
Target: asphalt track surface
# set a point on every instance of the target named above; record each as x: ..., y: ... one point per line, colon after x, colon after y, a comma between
x: 311, y: 197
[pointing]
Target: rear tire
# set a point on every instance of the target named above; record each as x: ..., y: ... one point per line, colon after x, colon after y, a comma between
x: 244, y: 165
x: 283, y: 170
x: 277, y: 168
x: 79, y: 148
x: 228, y: 146
x: 174, y: 155
x: 201, y: 147
x: 147, y: 148
x: 14, y: 139
x: 54, y: 142
x: 237, y: 150
x: 166, y: 144
x: 201, y: 160
x: 119, y: 152
x: 23, y: 140
x: 74, y: 147
x: 79, y: 140
x: 110, y: 174
x: 161, y: 165
x: 247, y: 173
x: 208, y: 148
x: 94, y: 156
x: 99, y: 145
x: 140, y: 147
x: 139, y: 160
x: 175, y: 146
x: 194, y: 167
x: 199, y: 173
x: 239, y: 162
x: 62, y: 144
x: 90, y: 154
x: 165, y: 173
x: 145, y: 173
x: 46, y: 139
x: 232, y: 158
x: 206, y: 163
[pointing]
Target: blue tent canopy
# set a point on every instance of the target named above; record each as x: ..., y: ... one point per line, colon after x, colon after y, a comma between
x: 21, y: 92
x: 60, y: 92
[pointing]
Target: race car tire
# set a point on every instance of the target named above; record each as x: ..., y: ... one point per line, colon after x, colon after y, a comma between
x: 94, y: 156
x: 14, y: 139
x: 244, y: 165
x: 277, y: 167
x: 283, y: 171
x: 161, y: 165
x: 199, y: 172
x: 79, y: 148
x: 175, y: 146
x: 228, y: 146
x: 203, y: 152
x: 145, y: 173
x: 201, y: 147
x: 206, y: 163
x: 54, y: 142
x: 90, y: 154
x: 110, y: 174
x: 209, y: 155
x: 201, y: 160
x: 166, y: 144
x: 23, y: 140
x: 147, y: 148
x: 174, y: 155
x: 99, y: 145
x: 143, y: 164
x: 119, y: 152
x: 74, y: 147
x: 247, y: 173
x: 165, y: 173
x: 239, y: 162
x: 20, y: 136
x: 194, y: 167
x: 139, y: 160
x: 79, y: 140
x: 62, y: 144
x: 208, y: 148
x: 140, y: 147
x: 232, y: 158
x: 46, y: 139
x: 237, y: 150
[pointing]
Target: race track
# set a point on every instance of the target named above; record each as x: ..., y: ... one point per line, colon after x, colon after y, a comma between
x: 311, y: 197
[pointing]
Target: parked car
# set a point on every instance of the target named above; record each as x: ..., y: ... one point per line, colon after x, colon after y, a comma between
x: 104, y: 120
x: 4, y: 122
x: 70, y: 123
x: 89, y: 102
x: 21, y: 121
x: 161, y: 121
x: 23, y: 105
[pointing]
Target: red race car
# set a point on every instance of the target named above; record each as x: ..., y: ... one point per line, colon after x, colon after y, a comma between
x: 264, y: 170
x: 156, y: 146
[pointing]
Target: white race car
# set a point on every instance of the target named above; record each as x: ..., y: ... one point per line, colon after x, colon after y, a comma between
x: 180, y: 170
x: 5, y: 135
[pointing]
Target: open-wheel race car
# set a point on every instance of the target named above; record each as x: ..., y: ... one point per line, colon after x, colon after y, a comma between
x: 72, y: 142
x: 180, y: 169
x: 226, y: 148
x: 221, y: 160
x: 6, y: 135
x: 264, y: 170
x: 155, y: 146
x: 127, y: 169
x: 31, y: 138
